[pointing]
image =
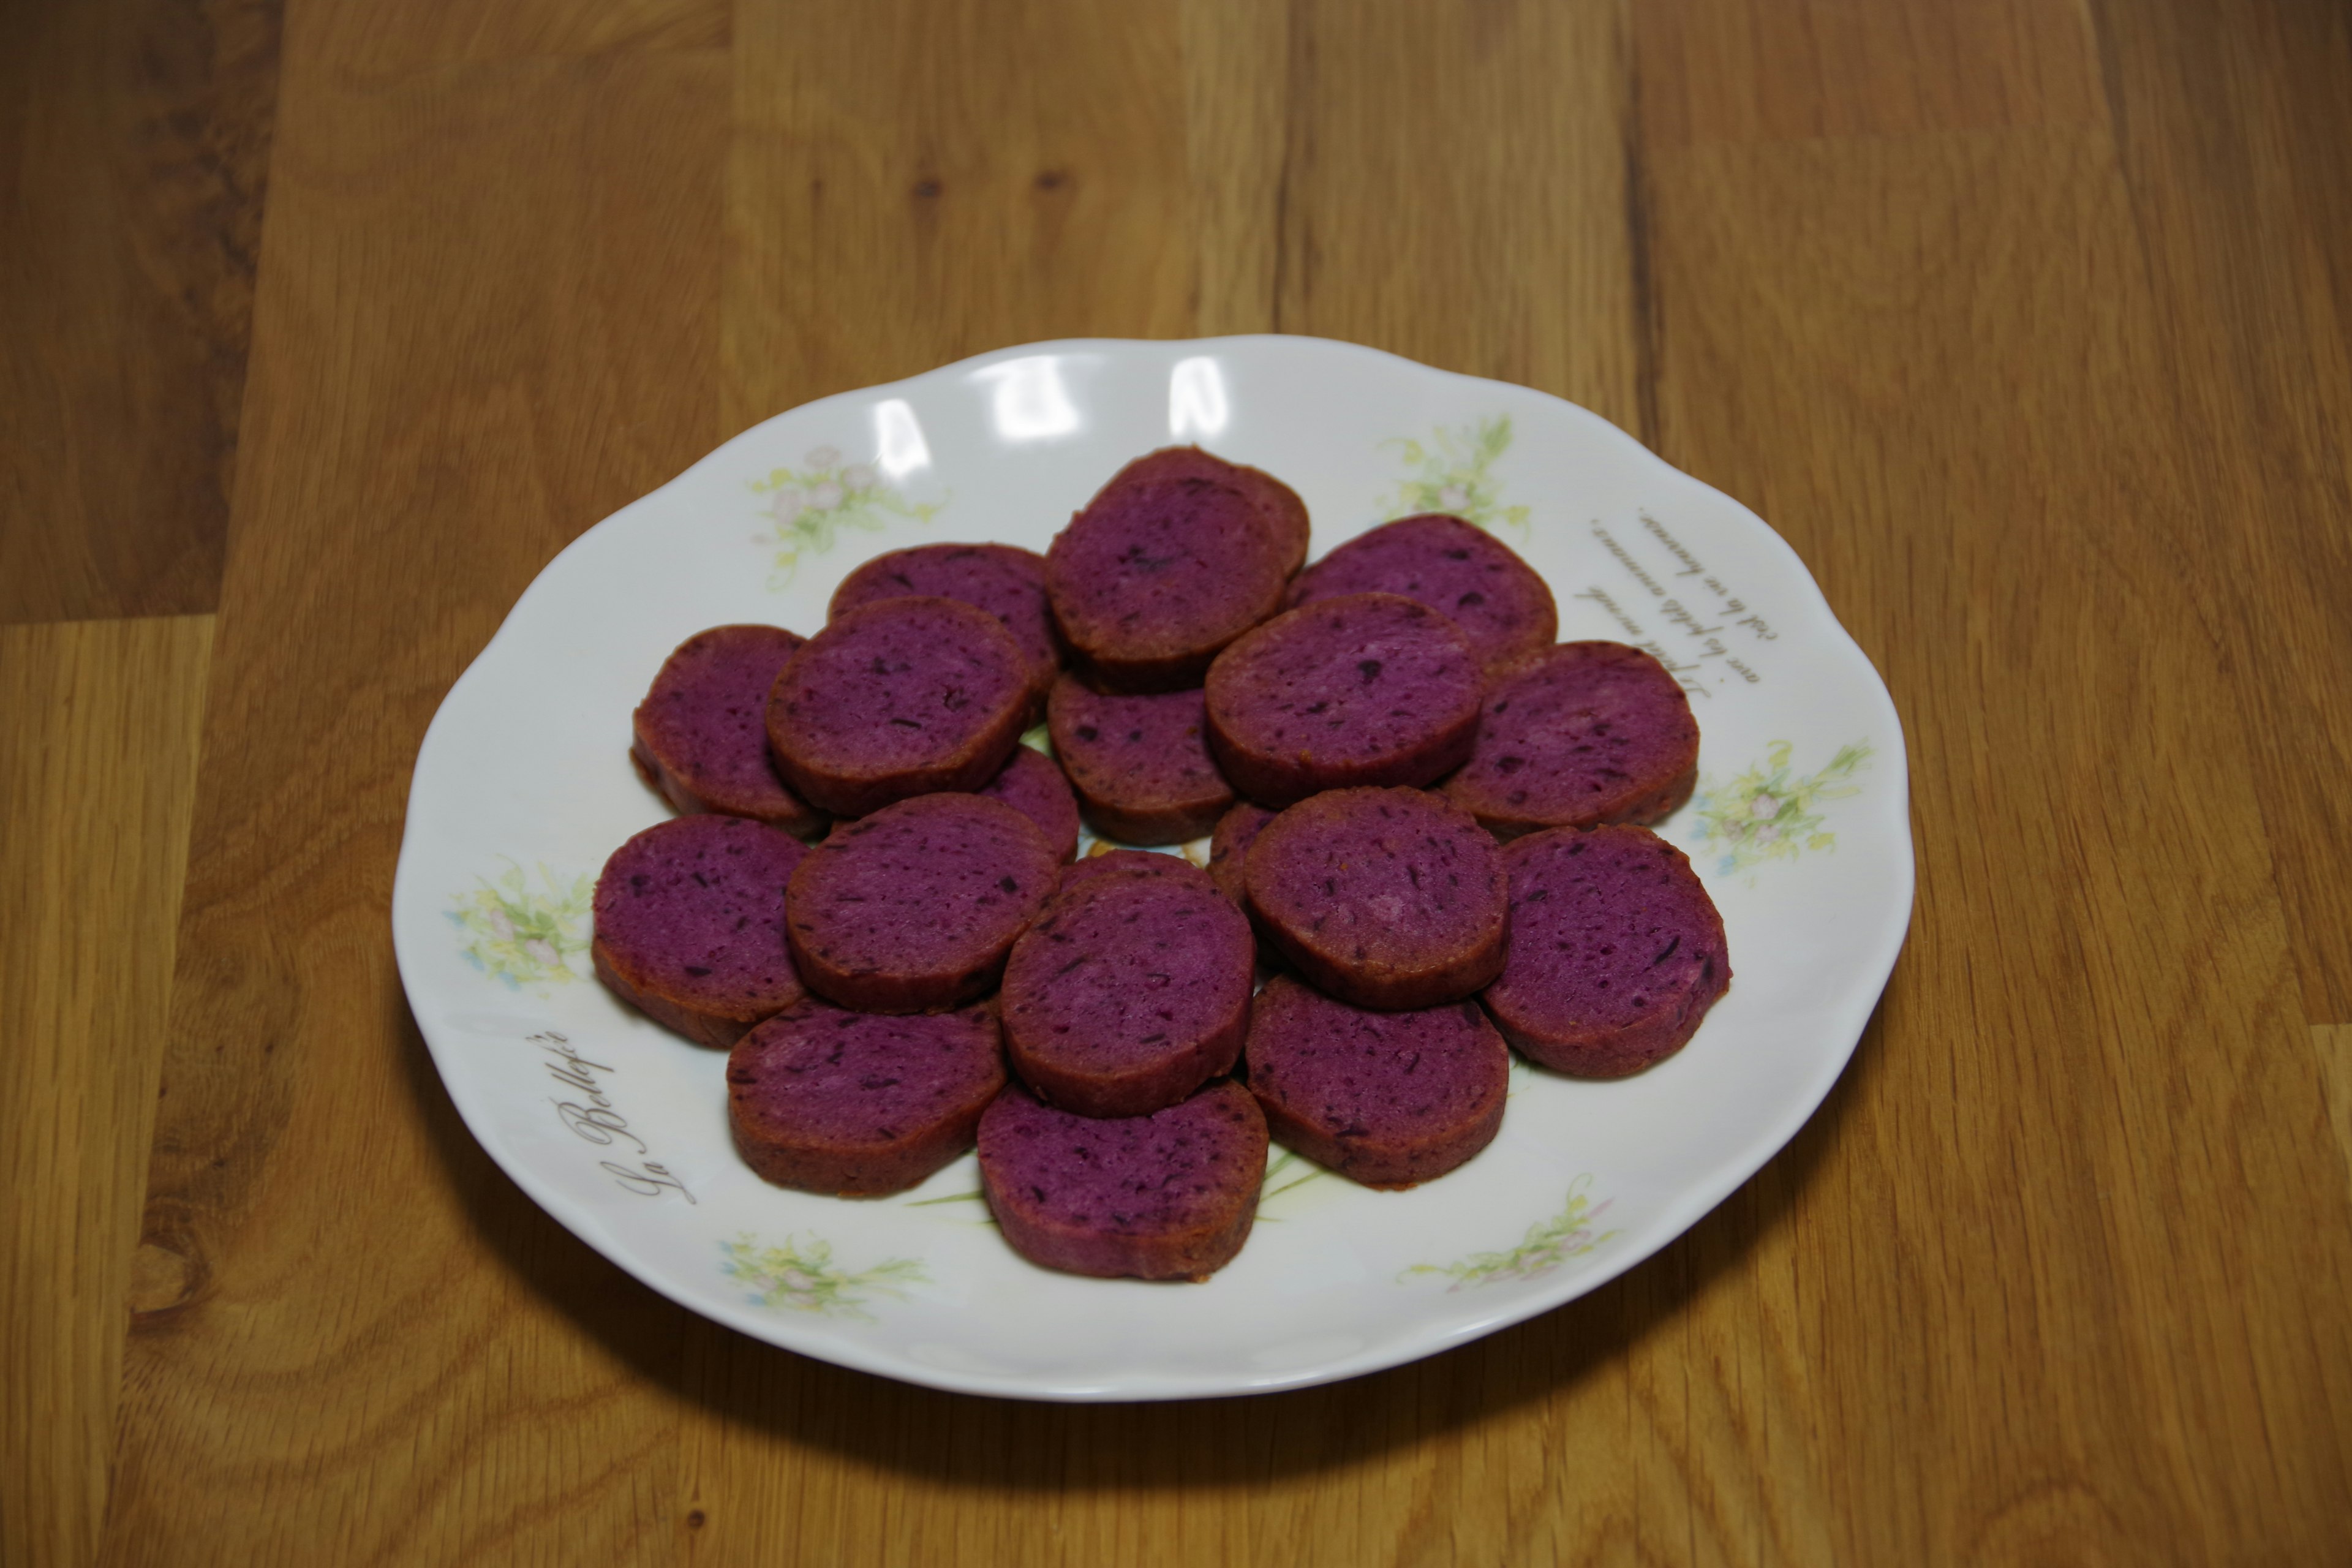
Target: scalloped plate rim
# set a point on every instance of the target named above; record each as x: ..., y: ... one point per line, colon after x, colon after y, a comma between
x: 1672, y: 1218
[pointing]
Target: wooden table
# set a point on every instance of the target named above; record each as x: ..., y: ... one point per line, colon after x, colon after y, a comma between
x: 2025, y: 322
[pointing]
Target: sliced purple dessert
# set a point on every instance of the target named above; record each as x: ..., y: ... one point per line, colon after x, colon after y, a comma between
x: 1389, y: 1100
x: 860, y: 1103
x: 902, y: 698
x: 1006, y: 581
x: 1166, y: 1196
x: 1152, y: 579
x: 1130, y: 992
x: 1141, y: 764
x: 1229, y: 848
x: 1031, y: 784
x: 1372, y: 689
x: 690, y: 924
x: 1580, y: 734
x: 1462, y: 572
x: 1136, y: 862
x: 1278, y: 506
x: 1616, y: 951
x: 1384, y: 897
x: 913, y: 909
x: 701, y: 737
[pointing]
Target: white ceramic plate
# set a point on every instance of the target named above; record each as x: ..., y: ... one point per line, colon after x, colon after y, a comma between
x: 618, y: 1128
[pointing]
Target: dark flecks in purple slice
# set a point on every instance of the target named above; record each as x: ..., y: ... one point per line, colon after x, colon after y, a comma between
x: 701, y: 897
x: 705, y: 718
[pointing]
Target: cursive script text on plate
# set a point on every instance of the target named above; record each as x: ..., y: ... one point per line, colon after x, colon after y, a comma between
x: 591, y: 1117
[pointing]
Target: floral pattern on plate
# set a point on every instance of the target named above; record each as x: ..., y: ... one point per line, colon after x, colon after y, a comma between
x: 1549, y: 1244
x: 1763, y: 813
x: 521, y: 936
x: 1451, y: 473
x: 812, y: 503
x: 802, y: 1277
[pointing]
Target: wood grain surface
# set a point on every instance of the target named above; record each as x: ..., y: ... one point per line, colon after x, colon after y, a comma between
x: 2023, y: 321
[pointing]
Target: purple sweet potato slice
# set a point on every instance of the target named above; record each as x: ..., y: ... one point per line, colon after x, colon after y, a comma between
x: 902, y: 698
x: 1580, y: 734
x: 1006, y: 581
x: 1461, y: 572
x: 1278, y: 506
x: 1130, y: 993
x: 1616, y: 951
x: 1141, y: 764
x: 1384, y: 897
x: 1033, y: 785
x: 1151, y: 580
x: 1229, y: 847
x: 861, y: 1103
x: 1389, y: 1100
x: 1105, y: 860
x: 913, y: 909
x: 690, y: 924
x: 1372, y: 688
x: 701, y: 737
x: 1166, y: 1196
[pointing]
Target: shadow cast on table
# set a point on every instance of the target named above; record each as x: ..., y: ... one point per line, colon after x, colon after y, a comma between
x: 1013, y: 1445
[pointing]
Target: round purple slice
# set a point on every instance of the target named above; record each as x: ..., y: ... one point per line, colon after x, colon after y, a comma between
x: 1372, y: 689
x: 1616, y: 951
x: 1229, y: 848
x: 1166, y: 1196
x: 1131, y: 992
x: 1578, y: 735
x: 701, y: 737
x: 1151, y: 580
x: 1033, y: 785
x: 1006, y: 581
x: 690, y: 924
x: 1462, y: 572
x: 860, y: 1103
x: 1384, y: 897
x: 1141, y: 764
x: 1278, y: 506
x: 902, y: 698
x: 1389, y: 1100
x: 913, y: 909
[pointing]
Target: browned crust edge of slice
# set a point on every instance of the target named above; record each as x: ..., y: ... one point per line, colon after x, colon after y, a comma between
x: 901, y: 991
x: 1229, y: 855
x: 1283, y: 512
x: 907, y: 991
x: 1042, y: 676
x: 1389, y: 1165
x: 1162, y: 825
x: 1641, y: 809
x: 1138, y: 1093
x: 1191, y: 1256
x: 1393, y: 989
x: 1384, y: 1170
x: 861, y: 794
x: 682, y: 797
x: 1152, y: 674
x: 702, y: 1026
x: 1604, y: 1054
x: 860, y: 1173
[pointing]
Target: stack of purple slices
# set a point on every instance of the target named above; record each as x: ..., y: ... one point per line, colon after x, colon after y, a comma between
x: 1424, y: 815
